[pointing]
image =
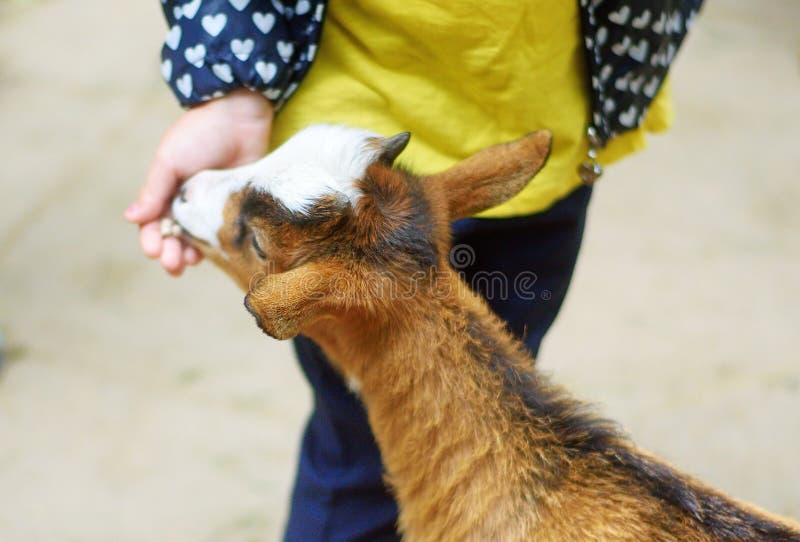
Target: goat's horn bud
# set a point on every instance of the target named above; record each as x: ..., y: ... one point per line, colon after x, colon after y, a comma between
x: 391, y: 147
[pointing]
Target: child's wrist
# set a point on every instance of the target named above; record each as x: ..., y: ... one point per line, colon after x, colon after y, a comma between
x: 245, y: 104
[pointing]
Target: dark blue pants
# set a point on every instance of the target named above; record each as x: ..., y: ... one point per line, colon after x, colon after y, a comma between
x: 339, y: 494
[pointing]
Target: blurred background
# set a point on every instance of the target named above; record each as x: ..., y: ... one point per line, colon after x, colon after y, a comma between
x: 138, y: 407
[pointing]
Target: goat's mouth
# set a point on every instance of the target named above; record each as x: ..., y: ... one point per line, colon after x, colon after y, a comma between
x: 196, y: 242
x: 170, y: 226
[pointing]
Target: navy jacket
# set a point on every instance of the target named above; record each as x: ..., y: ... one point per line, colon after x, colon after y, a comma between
x: 215, y: 46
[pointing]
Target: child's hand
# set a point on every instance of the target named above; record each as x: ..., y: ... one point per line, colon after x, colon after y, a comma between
x: 226, y: 132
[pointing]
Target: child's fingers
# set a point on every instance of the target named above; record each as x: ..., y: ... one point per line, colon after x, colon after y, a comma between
x: 150, y: 239
x: 172, y: 256
x: 158, y: 188
x: 191, y: 255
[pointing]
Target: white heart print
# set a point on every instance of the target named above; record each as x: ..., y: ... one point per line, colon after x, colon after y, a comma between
x: 266, y: 70
x: 636, y: 84
x: 196, y: 55
x: 620, y: 48
x: 173, y: 37
x: 166, y: 70
x: 658, y: 26
x: 639, y: 52
x: 184, y: 85
x: 620, y: 17
x: 272, y: 93
x: 675, y: 22
x: 223, y: 72
x: 641, y: 21
x: 671, y: 50
x: 651, y: 87
x: 264, y: 21
x: 690, y: 20
x: 242, y: 49
x: 628, y: 118
x: 213, y: 24
x: 279, y: 7
x: 318, y: 12
x: 290, y: 90
x: 302, y: 7
x: 654, y: 58
x: 189, y: 9
x: 602, y: 35
x: 285, y: 50
x: 239, y: 5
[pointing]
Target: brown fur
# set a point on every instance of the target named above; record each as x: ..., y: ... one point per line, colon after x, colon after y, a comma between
x: 477, y: 444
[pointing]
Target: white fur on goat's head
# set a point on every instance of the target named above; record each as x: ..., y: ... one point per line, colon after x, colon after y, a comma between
x: 320, y: 162
x: 329, y: 202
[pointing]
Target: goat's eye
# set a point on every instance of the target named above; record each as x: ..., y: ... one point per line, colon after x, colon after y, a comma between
x: 257, y: 248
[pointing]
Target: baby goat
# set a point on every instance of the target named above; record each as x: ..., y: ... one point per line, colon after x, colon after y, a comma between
x: 329, y: 240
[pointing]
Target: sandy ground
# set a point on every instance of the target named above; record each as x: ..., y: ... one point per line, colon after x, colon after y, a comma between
x: 136, y: 407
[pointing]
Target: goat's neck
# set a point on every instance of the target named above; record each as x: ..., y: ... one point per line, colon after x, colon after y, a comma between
x: 434, y: 402
x: 475, y: 443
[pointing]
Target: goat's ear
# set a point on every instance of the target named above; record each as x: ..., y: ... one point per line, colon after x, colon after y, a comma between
x: 391, y: 147
x: 283, y: 303
x: 493, y: 175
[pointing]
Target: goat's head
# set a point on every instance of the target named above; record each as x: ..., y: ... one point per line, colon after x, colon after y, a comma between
x: 325, y: 223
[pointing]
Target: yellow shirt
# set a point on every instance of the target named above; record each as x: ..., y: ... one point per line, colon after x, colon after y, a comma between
x: 461, y: 76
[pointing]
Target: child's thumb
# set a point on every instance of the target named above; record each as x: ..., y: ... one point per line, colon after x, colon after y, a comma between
x: 157, y: 190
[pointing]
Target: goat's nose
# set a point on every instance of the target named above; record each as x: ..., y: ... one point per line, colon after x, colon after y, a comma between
x: 253, y: 312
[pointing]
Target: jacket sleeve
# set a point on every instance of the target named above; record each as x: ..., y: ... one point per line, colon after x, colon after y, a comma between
x: 215, y: 46
x: 630, y: 45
